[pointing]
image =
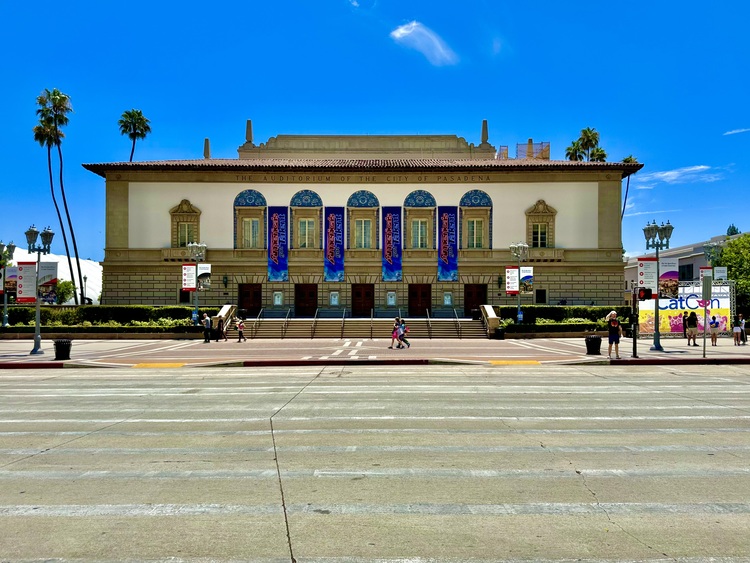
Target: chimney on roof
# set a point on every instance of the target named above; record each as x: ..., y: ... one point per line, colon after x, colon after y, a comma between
x: 206, y: 149
x: 249, y: 132
x: 485, y: 133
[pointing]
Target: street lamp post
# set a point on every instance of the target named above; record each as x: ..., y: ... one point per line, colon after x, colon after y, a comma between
x: 31, y: 236
x: 198, y: 254
x: 519, y: 250
x: 6, y: 255
x: 85, y: 279
x: 657, y: 238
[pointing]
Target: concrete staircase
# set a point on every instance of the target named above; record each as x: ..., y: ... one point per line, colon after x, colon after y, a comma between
x: 358, y: 328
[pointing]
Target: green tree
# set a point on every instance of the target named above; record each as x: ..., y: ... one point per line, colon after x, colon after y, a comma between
x: 589, y: 141
x: 54, y: 107
x: 732, y: 230
x: 598, y: 154
x: 630, y: 159
x: 735, y: 255
x: 574, y: 151
x: 64, y: 290
x: 135, y: 125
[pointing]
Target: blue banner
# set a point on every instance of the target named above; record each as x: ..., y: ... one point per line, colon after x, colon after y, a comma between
x: 392, y: 270
x: 278, y: 253
x: 447, y: 243
x: 333, y: 257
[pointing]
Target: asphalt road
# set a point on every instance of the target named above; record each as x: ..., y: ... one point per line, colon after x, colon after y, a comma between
x: 376, y: 463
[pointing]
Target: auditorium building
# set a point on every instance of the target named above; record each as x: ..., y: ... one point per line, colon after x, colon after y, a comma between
x: 365, y: 225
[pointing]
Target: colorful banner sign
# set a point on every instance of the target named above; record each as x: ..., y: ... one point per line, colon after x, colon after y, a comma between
x: 447, y: 243
x: 669, y: 277
x: 11, y: 275
x: 689, y: 299
x: 48, y: 273
x: 512, y: 284
x: 647, y: 274
x: 2, y: 281
x: 392, y: 244
x: 204, y: 276
x: 26, y: 283
x: 720, y: 273
x: 333, y: 257
x: 527, y: 279
x: 189, y: 277
x: 278, y: 249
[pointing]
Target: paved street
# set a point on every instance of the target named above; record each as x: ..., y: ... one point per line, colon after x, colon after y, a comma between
x: 376, y: 463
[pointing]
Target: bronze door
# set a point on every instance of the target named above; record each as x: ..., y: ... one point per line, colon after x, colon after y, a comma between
x: 363, y: 299
x: 250, y: 301
x: 305, y: 299
x: 475, y: 294
x: 420, y: 299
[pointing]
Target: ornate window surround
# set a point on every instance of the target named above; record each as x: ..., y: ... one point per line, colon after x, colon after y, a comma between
x: 184, y: 212
x: 306, y: 204
x: 475, y: 204
x: 540, y: 212
x: 362, y: 204
x: 250, y: 204
x: 419, y: 204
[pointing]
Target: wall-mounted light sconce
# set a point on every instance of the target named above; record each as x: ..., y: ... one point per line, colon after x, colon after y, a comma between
x: 225, y: 281
x: 499, y: 282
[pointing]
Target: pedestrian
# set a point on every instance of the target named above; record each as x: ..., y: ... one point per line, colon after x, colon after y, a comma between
x: 684, y: 324
x: 736, y: 330
x: 692, y: 328
x: 743, y: 334
x: 402, y: 334
x: 714, y: 326
x: 614, y: 329
x: 241, y: 329
x: 394, y: 332
x: 206, y: 328
x: 221, y: 331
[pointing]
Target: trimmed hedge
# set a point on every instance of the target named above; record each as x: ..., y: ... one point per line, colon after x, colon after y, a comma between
x: 100, y: 314
x: 560, y: 312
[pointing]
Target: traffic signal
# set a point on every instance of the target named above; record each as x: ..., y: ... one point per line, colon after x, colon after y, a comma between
x: 644, y: 293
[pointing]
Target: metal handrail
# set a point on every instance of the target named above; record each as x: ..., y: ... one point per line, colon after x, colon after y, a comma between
x: 429, y: 324
x: 372, y: 320
x: 343, y: 320
x: 314, y: 323
x: 256, y: 324
x: 286, y: 322
x: 458, y: 323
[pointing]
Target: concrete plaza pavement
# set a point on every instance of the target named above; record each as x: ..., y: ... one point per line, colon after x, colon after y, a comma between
x: 325, y: 464
x: 195, y: 353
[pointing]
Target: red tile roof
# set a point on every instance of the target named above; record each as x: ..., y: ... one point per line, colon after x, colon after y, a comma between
x: 384, y: 165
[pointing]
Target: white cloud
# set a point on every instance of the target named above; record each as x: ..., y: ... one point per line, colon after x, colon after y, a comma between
x: 735, y: 131
x: 685, y: 175
x: 354, y: 3
x: 637, y: 213
x: 420, y: 37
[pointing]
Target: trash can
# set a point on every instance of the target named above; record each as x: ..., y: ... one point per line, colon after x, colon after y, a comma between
x: 62, y: 348
x: 593, y: 345
x: 500, y: 333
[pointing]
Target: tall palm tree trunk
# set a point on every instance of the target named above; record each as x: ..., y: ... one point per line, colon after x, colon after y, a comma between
x: 70, y: 226
x: 59, y: 217
x: 132, y: 151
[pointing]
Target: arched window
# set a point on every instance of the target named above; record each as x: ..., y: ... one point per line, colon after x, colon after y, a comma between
x: 419, y: 207
x: 362, y: 220
x: 306, y: 225
x: 250, y: 220
x: 476, y: 220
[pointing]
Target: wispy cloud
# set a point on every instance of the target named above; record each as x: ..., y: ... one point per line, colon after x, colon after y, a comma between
x: 653, y: 212
x: 735, y: 131
x: 686, y: 175
x: 421, y: 38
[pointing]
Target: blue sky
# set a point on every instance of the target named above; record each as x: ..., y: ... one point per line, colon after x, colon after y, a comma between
x: 664, y: 81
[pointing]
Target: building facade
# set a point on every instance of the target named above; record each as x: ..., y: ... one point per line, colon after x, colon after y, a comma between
x: 363, y: 225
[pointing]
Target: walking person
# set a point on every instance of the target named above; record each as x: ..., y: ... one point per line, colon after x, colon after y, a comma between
x: 684, y: 324
x: 241, y: 329
x: 404, y: 330
x: 743, y: 334
x: 713, y: 324
x: 206, y: 322
x: 692, y: 328
x: 221, y: 331
x: 394, y: 332
x: 614, y: 328
x: 736, y: 331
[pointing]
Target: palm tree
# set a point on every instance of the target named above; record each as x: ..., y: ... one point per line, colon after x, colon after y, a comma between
x: 630, y: 159
x: 54, y: 108
x: 598, y: 154
x: 574, y: 151
x: 45, y: 135
x: 135, y: 125
x: 589, y: 140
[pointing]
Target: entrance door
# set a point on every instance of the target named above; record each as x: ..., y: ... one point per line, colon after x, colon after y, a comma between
x: 251, y: 299
x: 305, y: 299
x: 475, y: 294
x: 363, y: 299
x: 420, y: 299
